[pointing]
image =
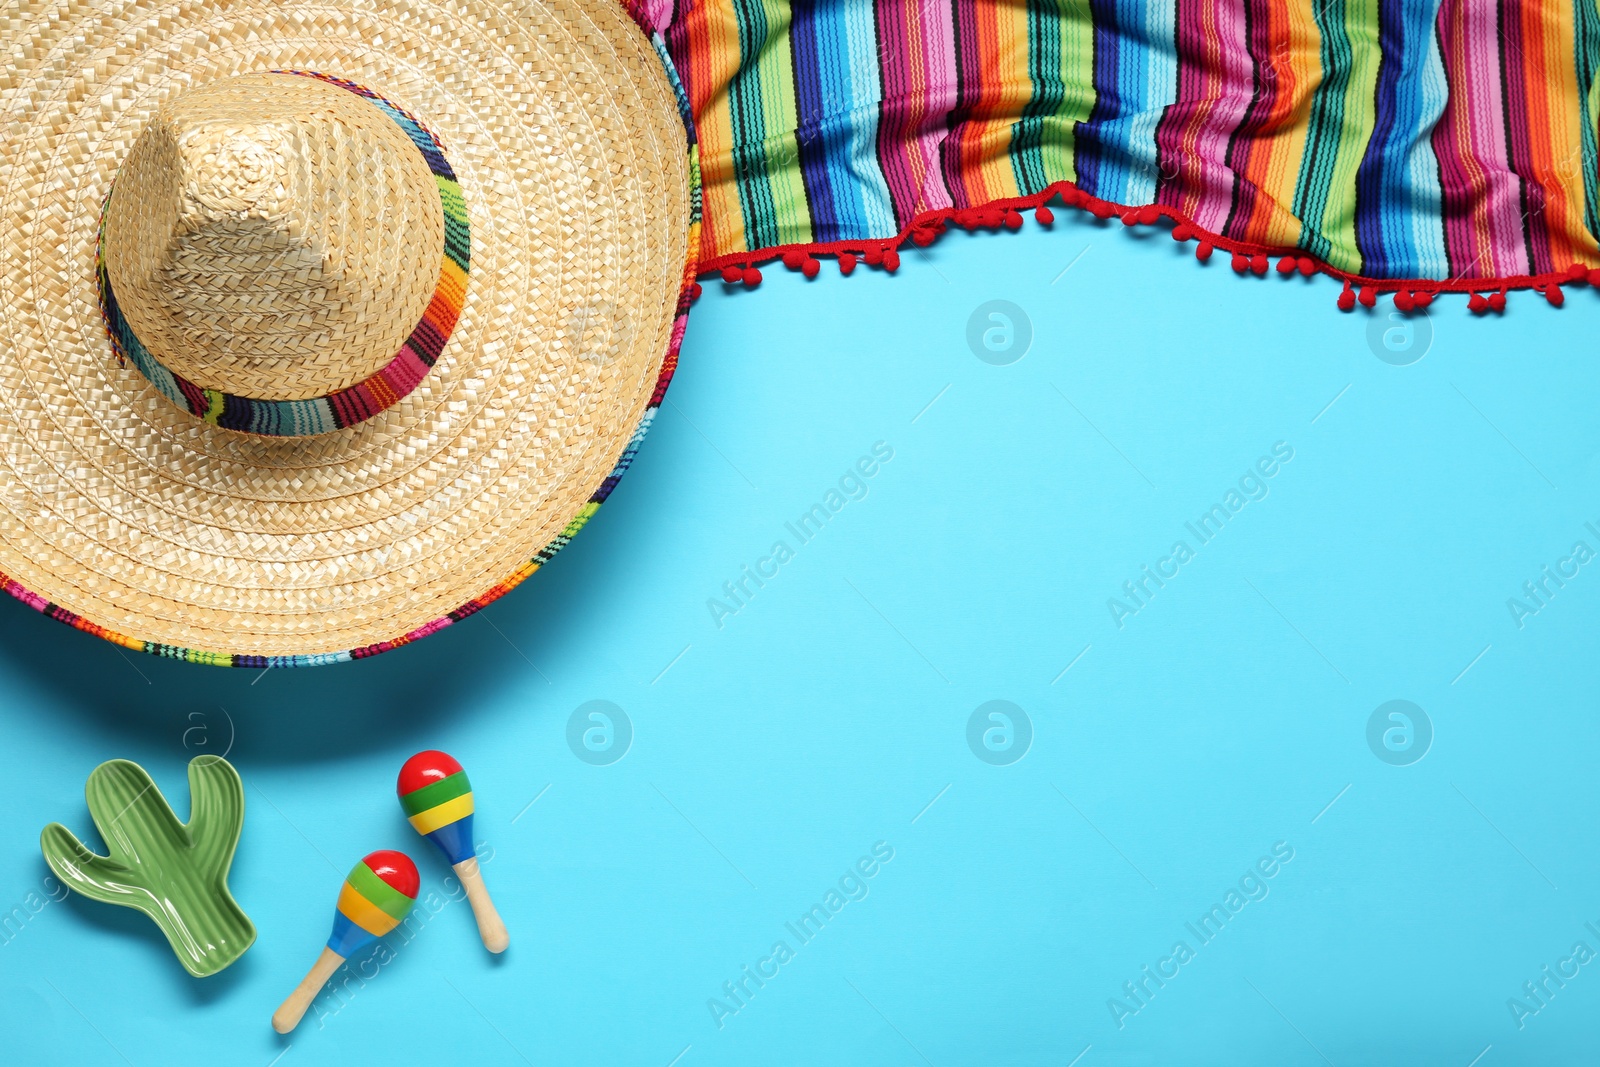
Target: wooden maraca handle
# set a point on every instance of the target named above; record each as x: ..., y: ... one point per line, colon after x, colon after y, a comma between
x: 293, y: 1009
x: 490, y: 928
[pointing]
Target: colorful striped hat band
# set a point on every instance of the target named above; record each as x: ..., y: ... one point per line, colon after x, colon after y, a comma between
x: 283, y: 254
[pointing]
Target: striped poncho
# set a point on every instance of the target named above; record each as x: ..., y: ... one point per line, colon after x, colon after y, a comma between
x: 1400, y: 144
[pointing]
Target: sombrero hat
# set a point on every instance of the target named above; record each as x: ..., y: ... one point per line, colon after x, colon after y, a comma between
x: 324, y: 324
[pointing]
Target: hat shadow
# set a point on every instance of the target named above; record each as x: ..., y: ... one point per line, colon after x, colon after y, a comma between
x: 134, y: 701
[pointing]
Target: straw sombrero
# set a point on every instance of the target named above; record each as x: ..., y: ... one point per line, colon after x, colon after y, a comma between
x: 322, y: 325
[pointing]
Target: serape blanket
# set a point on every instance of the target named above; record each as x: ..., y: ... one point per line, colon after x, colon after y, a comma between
x: 1406, y: 146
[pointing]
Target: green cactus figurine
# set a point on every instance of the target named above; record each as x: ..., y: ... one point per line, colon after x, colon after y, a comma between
x: 175, y: 873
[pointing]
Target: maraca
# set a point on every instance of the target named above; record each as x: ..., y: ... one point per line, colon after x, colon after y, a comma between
x: 377, y: 895
x: 437, y: 799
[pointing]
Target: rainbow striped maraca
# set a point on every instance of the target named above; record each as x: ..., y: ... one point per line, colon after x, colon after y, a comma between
x: 437, y: 799
x: 377, y: 895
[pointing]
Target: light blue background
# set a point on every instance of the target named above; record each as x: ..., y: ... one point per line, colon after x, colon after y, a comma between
x: 831, y: 712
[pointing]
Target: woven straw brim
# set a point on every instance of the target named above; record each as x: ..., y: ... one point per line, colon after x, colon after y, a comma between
x: 126, y: 516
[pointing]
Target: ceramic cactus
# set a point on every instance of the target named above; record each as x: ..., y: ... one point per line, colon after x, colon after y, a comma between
x: 176, y: 873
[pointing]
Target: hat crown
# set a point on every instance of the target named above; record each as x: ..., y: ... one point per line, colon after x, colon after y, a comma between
x: 273, y: 236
